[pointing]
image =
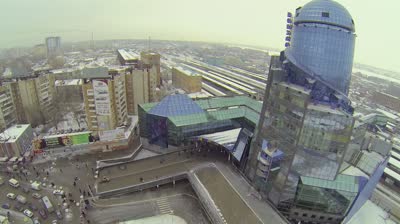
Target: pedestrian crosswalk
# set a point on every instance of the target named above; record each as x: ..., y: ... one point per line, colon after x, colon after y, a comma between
x: 164, y: 206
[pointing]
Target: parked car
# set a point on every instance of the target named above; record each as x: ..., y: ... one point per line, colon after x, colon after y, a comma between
x: 28, y: 213
x: 18, y: 207
x: 21, y: 199
x: 32, y: 207
x: 59, y: 215
x: 6, y: 206
x: 42, y: 213
x: 11, y: 196
x: 36, y: 221
x: 37, y: 195
x: 58, y: 192
x: 54, y: 222
x: 25, y: 190
x: 13, y: 182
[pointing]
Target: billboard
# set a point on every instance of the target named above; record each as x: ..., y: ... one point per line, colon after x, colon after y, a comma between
x: 62, y: 140
x: 80, y: 139
x: 112, y: 135
x: 101, y: 97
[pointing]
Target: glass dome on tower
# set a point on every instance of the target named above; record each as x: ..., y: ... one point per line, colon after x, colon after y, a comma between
x: 322, y: 42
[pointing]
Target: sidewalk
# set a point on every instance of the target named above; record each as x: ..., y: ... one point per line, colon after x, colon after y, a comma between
x: 16, y: 217
x: 263, y: 209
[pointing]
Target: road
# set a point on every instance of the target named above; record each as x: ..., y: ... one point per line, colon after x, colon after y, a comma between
x: 153, y: 168
x: 179, y: 200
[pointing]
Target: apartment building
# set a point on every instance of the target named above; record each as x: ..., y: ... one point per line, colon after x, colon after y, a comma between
x: 152, y: 59
x: 141, y: 87
x: 16, y: 140
x: 7, y: 108
x: 34, y: 99
x: 186, y: 80
x: 105, y: 101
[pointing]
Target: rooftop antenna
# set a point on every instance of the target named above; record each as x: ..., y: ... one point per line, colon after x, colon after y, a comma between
x: 92, y: 43
x: 149, y: 43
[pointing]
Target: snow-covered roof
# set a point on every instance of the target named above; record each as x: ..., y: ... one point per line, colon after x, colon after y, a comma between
x: 223, y: 137
x: 69, y: 82
x: 370, y: 213
x: 12, y: 133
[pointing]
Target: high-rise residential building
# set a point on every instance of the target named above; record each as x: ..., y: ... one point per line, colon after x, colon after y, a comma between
x: 137, y: 89
x: 127, y: 58
x: 16, y: 141
x: 105, y: 100
x: 186, y: 80
x: 53, y: 45
x: 34, y: 99
x: 306, y: 120
x: 45, y: 88
x: 8, y: 115
x: 150, y: 59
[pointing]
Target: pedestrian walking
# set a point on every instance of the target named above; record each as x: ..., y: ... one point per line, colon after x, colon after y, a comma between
x: 80, y: 190
x: 74, y: 184
x: 61, y: 170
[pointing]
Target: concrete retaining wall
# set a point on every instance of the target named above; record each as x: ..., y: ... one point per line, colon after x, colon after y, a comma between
x: 204, y: 197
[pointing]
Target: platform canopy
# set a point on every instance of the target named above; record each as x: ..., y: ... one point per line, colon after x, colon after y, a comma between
x: 223, y: 138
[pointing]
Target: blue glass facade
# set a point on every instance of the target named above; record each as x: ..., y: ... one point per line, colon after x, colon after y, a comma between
x: 323, y: 42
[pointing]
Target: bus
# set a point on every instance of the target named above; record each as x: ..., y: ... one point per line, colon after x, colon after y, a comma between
x: 47, y: 204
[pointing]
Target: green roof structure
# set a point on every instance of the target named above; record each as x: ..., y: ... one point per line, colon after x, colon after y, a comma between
x: 341, y: 183
x: 196, y: 117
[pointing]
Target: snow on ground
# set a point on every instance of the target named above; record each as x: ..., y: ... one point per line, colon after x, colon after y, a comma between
x: 69, y: 123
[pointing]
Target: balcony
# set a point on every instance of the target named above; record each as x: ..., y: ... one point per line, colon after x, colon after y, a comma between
x: 260, y: 173
x: 263, y: 160
x: 4, y: 99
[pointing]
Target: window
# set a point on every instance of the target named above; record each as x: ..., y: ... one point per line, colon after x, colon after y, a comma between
x: 304, y: 214
x: 330, y: 218
x: 325, y: 14
x: 313, y: 216
x: 296, y: 213
x: 321, y: 217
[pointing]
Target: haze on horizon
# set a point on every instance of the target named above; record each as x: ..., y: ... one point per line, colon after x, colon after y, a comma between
x: 252, y: 22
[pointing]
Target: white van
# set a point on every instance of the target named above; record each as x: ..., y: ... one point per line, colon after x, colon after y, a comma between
x: 13, y: 182
x: 36, y: 186
x: 21, y: 199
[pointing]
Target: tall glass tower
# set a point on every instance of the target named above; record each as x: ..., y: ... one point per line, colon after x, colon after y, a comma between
x: 306, y: 120
x: 323, y: 42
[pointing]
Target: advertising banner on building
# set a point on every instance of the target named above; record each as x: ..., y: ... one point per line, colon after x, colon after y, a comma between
x: 112, y: 135
x: 80, y: 139
x: 62, y: 140
x: 101, y: 97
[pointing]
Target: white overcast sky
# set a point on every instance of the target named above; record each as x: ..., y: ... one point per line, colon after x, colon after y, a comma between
x: 254, y: 22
